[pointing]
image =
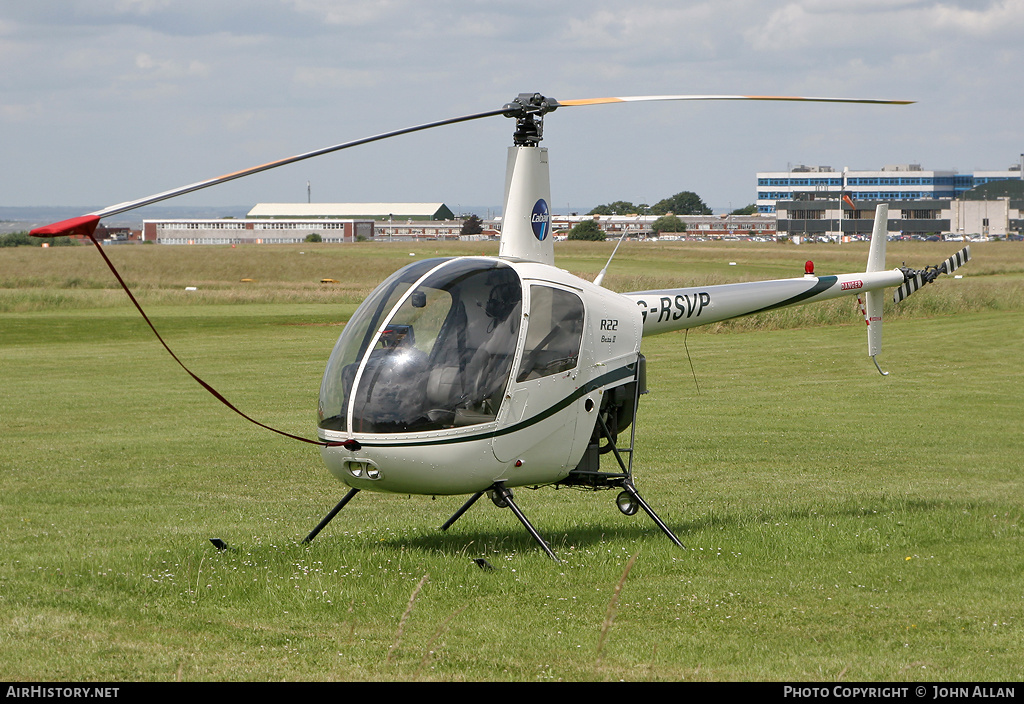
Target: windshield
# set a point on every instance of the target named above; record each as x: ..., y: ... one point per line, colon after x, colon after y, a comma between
x: 440, y: 359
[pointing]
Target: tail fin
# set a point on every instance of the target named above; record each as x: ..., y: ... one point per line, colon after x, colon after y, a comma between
x: 871, y: 307
x: 871, y: 303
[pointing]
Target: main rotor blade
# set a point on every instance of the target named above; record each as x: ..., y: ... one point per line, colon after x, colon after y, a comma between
x: 791, y: 98
x: 74, y: 225
x: 149, y: 200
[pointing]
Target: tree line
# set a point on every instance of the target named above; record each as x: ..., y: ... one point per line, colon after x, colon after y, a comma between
x: 682, y: 203
x: 19, y: 239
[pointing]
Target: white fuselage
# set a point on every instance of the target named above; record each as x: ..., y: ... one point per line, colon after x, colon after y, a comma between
x: 459, y: 373
x: 542, y: 420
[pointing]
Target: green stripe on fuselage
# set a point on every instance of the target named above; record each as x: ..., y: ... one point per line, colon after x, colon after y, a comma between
x: 593, y: 385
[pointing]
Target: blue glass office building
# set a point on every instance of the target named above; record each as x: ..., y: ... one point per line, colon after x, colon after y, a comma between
x: 904, y: 182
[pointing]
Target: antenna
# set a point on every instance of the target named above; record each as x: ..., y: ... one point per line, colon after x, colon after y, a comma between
x: 600, y: 277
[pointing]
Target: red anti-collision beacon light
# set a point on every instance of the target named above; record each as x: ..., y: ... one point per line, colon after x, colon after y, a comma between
x: 809, y: 268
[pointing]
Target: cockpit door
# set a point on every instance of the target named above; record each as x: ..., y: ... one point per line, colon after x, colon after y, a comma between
x: 540, y: 418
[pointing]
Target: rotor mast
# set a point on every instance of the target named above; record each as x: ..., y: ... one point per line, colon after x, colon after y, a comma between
x: 526, y: 217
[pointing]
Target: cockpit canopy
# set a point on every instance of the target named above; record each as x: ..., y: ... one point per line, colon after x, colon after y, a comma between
x: 430, y: 349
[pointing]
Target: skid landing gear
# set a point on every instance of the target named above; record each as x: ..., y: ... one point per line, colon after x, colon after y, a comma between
x: 330, y: 516
x: 617, y: 412
x: 618, y: 409
x: 629, y: 500
x: 501, y: 496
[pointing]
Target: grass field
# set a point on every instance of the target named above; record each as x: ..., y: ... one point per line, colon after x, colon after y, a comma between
x: 839, y: 526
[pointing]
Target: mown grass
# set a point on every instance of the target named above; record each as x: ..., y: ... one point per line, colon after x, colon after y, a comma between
x: 32, y: 278
x: 840, y: 526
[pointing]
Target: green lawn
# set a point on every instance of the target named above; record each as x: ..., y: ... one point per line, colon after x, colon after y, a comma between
x: 839, y: 526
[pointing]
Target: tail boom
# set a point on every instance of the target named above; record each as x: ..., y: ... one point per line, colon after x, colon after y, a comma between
x: 665, y: 310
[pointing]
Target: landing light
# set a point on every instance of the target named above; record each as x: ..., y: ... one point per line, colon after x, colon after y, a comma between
x: 360, y: 469
x: 627, y: 503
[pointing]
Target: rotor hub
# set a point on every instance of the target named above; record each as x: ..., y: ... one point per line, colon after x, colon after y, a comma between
x: 529, y: 110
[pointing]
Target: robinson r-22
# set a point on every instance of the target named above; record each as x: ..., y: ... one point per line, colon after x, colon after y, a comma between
x: 475, y: 375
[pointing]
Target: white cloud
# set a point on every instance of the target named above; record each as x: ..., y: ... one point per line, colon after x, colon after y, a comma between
x: 142, y: 7
x: 1004, y: 18
x: 170, y: 68
x: 227, y: 80
x: 332, y: 78
x: 20, y: 112
x: 351, y: 13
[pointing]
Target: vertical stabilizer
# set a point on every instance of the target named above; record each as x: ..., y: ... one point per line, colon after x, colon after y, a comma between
x: 526, y: 219
x: 879, y: 234
x: 874, y: 299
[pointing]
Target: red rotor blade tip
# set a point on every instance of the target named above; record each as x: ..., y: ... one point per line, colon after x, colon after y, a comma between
x: 84, y: 225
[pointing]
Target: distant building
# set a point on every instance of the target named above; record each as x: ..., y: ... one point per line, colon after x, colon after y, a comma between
x: 901, y: 182
x: 113, y: 234
x: 713, y: 226
x: 1010, y: 191
x: 292, y: 223
x: 253, y: 231
x: 983, y: 212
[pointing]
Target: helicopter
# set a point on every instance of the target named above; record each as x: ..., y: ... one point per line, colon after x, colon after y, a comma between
x: 476, y: 375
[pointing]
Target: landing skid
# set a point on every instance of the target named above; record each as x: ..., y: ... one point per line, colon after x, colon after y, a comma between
x: 501, y: 495
x: 629, y: 499
x: 587, y: 475
x: 330, y: 516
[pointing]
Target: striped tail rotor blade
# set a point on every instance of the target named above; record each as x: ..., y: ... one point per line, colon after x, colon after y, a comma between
x: 909, y: 286
x: 956, y: 261
x: 916, y: 279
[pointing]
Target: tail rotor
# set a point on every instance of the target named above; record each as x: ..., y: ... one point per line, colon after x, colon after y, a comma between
x: 914, y: 279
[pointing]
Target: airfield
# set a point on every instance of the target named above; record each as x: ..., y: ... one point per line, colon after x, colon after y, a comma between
x: 839, y: 526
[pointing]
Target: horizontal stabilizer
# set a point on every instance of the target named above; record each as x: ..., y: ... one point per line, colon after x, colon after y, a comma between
x: 913, y: 280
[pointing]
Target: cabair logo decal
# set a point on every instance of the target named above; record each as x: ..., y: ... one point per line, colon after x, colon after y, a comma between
x: 540, y: 220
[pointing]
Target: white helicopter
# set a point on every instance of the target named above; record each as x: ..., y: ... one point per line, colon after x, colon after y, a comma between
x: 475, y: 375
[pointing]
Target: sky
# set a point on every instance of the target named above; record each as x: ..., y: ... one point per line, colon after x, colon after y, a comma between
x: 104, y: 101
